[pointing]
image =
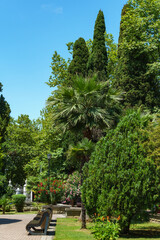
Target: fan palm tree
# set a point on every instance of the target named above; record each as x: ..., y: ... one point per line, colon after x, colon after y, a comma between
x: 84, y: 107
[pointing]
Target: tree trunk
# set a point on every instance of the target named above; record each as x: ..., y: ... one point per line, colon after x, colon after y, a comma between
x: 83, y: 217
x: 83, y: 207
x: 4, y: 210
x: 87, y: 133
x: 125, y: 226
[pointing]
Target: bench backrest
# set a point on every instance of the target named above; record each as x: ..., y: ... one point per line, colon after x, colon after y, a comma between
x: 45, y: 217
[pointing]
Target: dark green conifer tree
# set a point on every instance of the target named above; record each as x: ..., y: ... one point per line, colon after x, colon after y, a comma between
x: 137, y: 72
x: 120, y: 39
x: 98, y: 59
x: 4, y: 115
x: 78, y: 65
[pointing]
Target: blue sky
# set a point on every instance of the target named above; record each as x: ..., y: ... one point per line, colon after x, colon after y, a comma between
x: 31, y: 30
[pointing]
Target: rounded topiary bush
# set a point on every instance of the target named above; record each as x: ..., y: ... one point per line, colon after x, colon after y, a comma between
x: 19, y: 201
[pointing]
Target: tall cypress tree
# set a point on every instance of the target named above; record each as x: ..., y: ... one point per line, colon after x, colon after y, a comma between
x: 78, y: 65
x: 137, y: 71
x: 98, y: 59
x: 121, y: 33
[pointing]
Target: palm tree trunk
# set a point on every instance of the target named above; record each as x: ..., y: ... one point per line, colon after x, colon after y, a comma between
x: 87, y: 133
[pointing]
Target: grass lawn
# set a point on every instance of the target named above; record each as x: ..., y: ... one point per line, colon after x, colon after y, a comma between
x: 69, y: 229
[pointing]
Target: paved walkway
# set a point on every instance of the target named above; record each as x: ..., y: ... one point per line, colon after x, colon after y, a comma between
x: 13, y: 227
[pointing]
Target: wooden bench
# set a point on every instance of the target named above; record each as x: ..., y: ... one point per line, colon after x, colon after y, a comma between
x: 50, y: 207
x: 40, y: 223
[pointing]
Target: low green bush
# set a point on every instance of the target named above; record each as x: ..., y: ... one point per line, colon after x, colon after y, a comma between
x: 19, y: 201
x: 104, y: 229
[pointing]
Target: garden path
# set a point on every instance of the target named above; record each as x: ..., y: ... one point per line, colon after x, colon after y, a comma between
x: 13, y: 227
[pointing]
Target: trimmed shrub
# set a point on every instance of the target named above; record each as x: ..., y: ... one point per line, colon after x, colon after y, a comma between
x: 19, y: 201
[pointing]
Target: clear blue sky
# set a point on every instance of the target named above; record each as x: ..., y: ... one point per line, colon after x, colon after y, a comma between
x: 31, y: 30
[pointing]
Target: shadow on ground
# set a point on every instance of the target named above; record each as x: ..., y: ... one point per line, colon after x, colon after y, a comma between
x: 142, y: 234
x: 8, y: 221
x: 51, y: 232
x: 53, y: 223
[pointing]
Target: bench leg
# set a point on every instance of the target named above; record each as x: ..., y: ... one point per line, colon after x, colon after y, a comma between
x: 46, y: 226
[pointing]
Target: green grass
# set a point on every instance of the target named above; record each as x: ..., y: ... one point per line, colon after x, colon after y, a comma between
x: 69, y: 229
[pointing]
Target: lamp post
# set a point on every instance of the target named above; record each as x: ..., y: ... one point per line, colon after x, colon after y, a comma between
x: 49, y: 158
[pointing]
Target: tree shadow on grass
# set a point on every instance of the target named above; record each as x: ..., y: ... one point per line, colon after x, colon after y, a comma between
x: 142, y: 234
x: 8, y: 221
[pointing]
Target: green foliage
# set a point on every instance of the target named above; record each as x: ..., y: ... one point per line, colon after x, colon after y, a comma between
x: 1, y: 154
x: 49, y: 190
x: 19, y: 148
x: 152, y: 145
x: 98, y: 59
x: 27, y: 146
x: 138, y: 66
x: 3, y: 185
x: 59, y: 71
x: 49, y: 139
x: 78, y: 65
x: 84, y: 106
x: 32, y: 182
x: 19, y: 201
x: 112, y: 48
x: 80, y: 152
x: 5, y: 203
x: 4, y: 115
x: 72, y: 187
x: 104, y: 229
x: 119, y: 179
x: 122, y: 30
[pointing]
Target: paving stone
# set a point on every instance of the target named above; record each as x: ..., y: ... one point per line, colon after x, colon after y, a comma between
x: 13, y: 227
